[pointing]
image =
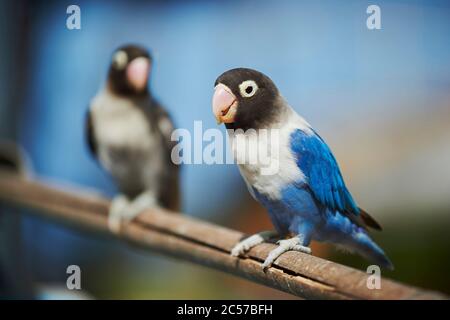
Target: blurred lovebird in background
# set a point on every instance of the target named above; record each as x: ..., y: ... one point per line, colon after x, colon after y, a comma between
x: 130, y: 134
x: 380, y: 97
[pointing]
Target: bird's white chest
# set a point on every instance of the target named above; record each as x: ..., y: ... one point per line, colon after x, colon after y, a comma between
x: 119, y: 124
x: 265, y: 160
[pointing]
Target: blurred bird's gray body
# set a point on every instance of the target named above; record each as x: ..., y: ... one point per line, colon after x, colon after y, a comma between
x: 132, y: 137
x: 130, y: 134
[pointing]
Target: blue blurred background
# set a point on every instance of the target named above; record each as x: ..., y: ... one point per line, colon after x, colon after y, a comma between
x: 380, y: 98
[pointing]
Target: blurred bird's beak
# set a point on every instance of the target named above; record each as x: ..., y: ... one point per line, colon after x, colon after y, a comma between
x: 137, y: 73
x: 224, y: 104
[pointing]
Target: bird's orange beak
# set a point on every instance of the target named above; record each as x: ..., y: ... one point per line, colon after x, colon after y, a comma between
x: 137, y: 73
x: 224, y: 104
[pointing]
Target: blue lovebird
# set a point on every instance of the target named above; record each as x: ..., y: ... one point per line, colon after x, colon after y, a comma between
x: 290, y: 170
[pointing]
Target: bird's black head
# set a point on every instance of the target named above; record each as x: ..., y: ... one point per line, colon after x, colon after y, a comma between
x: 245, y: 98
x: 129, y: 70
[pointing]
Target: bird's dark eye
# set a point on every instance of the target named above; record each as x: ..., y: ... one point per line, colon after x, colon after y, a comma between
x: 248, y: 88
x: 120, y: 60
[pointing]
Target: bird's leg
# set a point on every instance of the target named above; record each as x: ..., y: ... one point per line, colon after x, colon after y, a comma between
x: 296, y: 243
x: 122, y: 211
x: 248, y: 243
x: 145, y: 200
x: 118, y: 205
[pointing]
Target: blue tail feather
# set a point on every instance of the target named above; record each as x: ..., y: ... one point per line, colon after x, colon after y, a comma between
x: 340, y: 230
x: 367, y: 248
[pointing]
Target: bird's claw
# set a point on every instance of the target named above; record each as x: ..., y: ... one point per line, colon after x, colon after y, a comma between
x: 239, y: 249
x: 248, y: 243
x: 122, y: 210
x: 292, y: 244
x: 118, y: 205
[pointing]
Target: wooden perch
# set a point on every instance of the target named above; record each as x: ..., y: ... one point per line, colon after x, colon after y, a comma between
x: 206, y: 244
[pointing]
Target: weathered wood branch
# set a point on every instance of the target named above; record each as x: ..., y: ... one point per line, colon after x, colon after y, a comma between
x: 206, y: 244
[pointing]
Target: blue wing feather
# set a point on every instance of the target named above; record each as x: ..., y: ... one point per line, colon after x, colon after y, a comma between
x: 321, y: 170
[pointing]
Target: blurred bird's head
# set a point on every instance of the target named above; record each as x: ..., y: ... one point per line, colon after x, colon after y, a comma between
x: 129, y: 70
x: 245, y: 98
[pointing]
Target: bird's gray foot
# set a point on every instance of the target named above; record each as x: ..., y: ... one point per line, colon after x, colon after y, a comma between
x: 143, y: 201
x: 292, y: 244
x: 118, y: 205
x: 248, y: 243
x: 122, y: 210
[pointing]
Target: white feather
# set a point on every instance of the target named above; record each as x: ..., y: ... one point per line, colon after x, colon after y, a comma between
x: 274, y: 144
x: 118, y: 122
x: 120, y: 125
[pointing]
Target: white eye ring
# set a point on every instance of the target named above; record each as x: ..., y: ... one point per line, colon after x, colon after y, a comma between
x: 120, y: 59
x: 248, y: 88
